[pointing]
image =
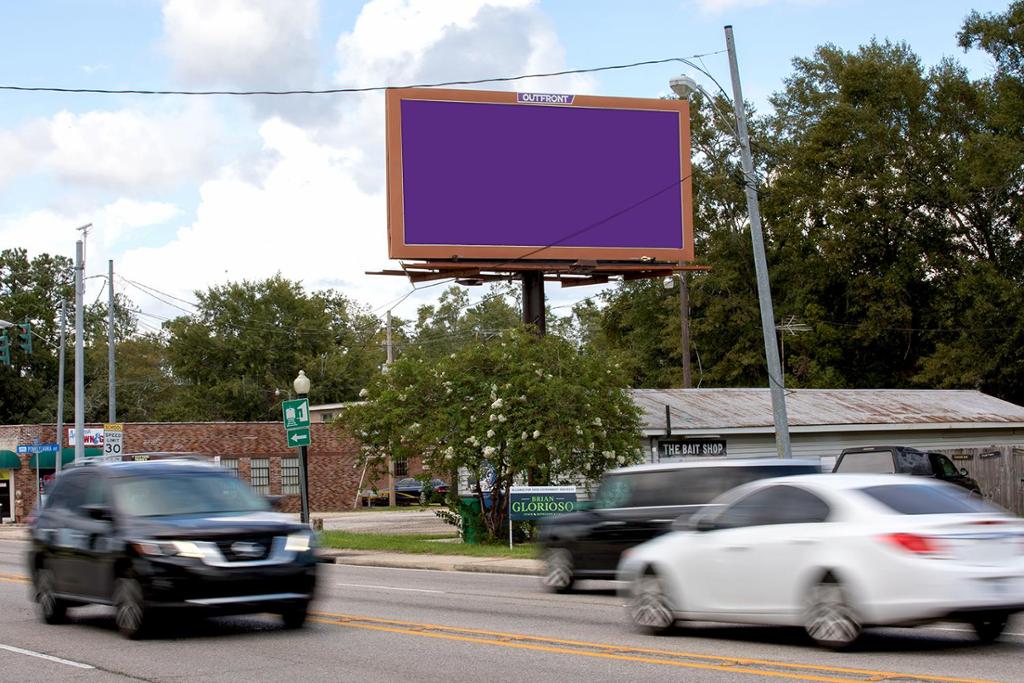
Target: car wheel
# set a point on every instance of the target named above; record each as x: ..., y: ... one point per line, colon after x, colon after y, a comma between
x: 829, y: 620
x: 989, y: 627
x: 649, y: 608
x: 131, y: 615
x: 52, y: 609
x: 295, y: 617
x: 559, y: 574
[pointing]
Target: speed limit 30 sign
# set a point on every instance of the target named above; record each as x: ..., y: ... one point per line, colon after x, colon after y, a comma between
x: 113, y: 438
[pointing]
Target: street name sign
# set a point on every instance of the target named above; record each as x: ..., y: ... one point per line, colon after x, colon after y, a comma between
x: 39, y: 448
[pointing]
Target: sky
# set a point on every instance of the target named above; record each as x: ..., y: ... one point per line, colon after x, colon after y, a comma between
x: 185, y: 193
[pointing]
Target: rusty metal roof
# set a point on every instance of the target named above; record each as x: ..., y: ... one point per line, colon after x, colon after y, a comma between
x: 752, y: 408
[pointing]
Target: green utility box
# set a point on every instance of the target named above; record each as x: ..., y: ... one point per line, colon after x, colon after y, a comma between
x: 472, y: 526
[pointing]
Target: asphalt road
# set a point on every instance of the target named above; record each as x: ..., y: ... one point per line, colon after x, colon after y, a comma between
x: 377, y: 624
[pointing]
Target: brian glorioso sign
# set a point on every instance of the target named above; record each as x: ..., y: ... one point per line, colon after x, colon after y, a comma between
x: 534, y: 502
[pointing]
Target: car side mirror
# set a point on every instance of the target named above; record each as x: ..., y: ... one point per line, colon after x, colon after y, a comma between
x: 276, y: 503
x: 98, y: 512
x: 963, y: 471
x: 703, y: 524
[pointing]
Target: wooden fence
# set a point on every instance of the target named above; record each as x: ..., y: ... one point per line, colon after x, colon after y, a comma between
x: 999, y: 471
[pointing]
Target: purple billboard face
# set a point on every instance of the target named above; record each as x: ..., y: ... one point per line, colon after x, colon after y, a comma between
x: 537, y: 177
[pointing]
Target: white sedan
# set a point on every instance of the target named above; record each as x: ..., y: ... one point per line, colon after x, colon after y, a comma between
x: 834, y: 553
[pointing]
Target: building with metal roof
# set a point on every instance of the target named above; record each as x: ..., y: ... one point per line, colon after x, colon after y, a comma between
x: 822, y: 422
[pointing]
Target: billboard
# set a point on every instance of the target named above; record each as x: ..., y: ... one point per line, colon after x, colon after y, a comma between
x: 537, y: 177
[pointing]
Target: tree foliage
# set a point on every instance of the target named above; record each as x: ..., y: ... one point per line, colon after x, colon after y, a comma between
x: 532, y: 408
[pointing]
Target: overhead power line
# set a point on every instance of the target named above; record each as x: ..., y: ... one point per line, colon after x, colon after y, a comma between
x: 336, y: 91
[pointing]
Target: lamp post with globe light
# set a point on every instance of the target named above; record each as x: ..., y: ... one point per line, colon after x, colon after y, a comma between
x: 684, y: 87
x: 301, y: 386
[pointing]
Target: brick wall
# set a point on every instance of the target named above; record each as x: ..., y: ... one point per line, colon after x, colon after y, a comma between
x: 333, y: 471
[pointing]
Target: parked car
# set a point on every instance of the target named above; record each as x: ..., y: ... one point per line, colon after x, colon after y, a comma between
x: 835, y: 554
x: 903, y: 460
x: 635, y: 504
x: 411, y: 490
x: 175, y: 534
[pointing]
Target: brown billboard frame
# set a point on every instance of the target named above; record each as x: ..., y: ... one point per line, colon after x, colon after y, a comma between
x: 399, y: 249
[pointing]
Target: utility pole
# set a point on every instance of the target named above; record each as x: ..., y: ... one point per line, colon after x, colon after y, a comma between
x: 79, y: 353
x: 684, y: 315
x: 60, y: 393
x: 764, y: 294
x: 111, y: 390
x: 392, y: 501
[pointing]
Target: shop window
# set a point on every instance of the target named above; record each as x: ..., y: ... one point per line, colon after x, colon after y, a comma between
x: 290, y: 476
x: 230, y: 464
x: 259, y: 475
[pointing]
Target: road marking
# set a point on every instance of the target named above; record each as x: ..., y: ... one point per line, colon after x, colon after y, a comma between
x: 689, y: 660
x: 964, y: 630
x: 388, y: 588
x: 49, y: 658
x: 13, y: 578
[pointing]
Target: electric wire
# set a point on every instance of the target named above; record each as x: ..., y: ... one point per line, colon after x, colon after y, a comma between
x: 365, y: 89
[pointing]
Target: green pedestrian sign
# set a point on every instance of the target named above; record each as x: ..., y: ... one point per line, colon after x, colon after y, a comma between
x: 296, y: 422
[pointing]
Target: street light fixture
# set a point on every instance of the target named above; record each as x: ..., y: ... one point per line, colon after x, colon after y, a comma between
x: 684, y: 87
x: 301, y: 386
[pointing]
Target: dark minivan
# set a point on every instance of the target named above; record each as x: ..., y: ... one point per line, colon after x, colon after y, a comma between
x: 635, y: 504
x: 176, y: 535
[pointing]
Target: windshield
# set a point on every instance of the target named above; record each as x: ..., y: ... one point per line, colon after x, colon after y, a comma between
x: 191, y: 493
x: 920, y: 499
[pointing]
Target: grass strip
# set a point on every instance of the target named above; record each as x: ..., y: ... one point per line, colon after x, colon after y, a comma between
x: 421, y: 544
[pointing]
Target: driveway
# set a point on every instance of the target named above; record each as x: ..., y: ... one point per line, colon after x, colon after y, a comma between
x: 414, y: 521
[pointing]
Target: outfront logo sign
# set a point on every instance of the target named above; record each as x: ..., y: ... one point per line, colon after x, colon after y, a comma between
x: 534, y: 502
x: 543, y: 98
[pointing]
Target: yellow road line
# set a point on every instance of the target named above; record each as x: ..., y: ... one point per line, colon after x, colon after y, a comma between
x: 14, y: 578
x: 520, y: 641
x: 808, y: 672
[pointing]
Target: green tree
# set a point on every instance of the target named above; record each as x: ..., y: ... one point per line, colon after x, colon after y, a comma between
x: 522, y: 404
x: 454, y: 320
x: 237, y: 356
x: 31, y: 290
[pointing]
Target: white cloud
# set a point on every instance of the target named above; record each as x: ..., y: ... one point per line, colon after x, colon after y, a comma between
x: 122, y: 217
x: 125, y: 150
x: 54, y: 232
x: 258, y: 43
x: 19, y: 150
x: 130, y: 150
x: 310, y: 203
x: 305, y: 219
x: 400, y: 42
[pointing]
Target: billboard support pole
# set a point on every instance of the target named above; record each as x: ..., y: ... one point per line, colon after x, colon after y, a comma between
x: 533, y: 301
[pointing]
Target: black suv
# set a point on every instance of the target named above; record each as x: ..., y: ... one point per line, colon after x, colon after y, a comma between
x: 904, y: 460
x: 176, y: 535
x: 635, y: 504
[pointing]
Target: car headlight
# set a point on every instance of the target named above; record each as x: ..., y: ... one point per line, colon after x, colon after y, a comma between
x: 299, y: 542
x: 169, y: 549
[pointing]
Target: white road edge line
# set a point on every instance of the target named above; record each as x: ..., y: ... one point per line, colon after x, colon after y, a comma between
x: 40, y: 655
x: 964, y: 630
x: 389, y: 588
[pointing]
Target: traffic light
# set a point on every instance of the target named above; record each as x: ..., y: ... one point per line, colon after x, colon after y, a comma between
x: 25, y: 335
x: 5, y: 349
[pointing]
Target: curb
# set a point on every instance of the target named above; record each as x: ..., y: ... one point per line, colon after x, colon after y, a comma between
x: 483, y: 565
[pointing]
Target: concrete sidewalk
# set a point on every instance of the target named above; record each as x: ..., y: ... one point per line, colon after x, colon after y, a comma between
x: 377, y: 558
x: 444, y: 563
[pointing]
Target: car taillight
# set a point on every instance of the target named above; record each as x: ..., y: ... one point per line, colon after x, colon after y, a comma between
x: 919, y: 545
